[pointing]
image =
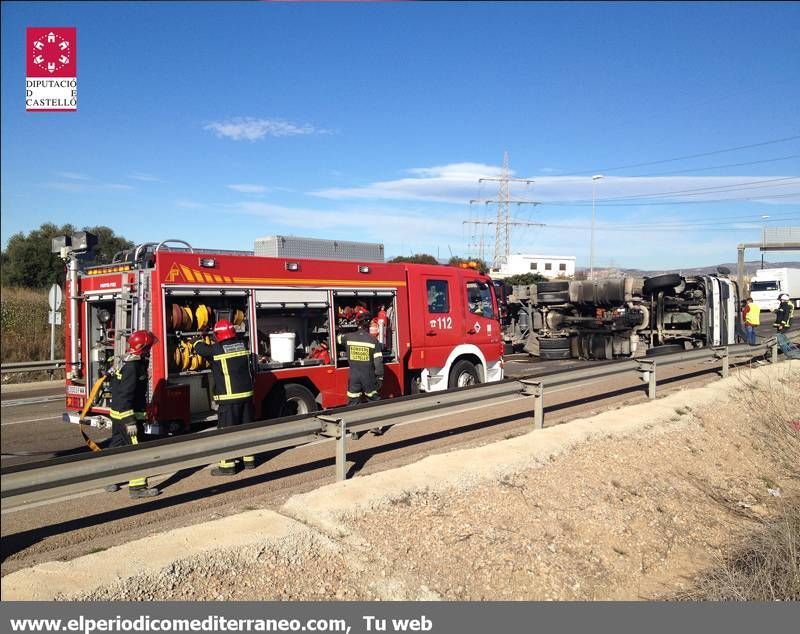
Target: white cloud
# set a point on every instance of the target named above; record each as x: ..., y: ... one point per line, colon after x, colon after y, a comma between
x: 145, y: 177
x: 73, y: 176
x: 190, y: 204
x: 252, y: 129
x: 371, y: 225
x: 457, y: 183
x: 244, y: 188
x: 85, y: 187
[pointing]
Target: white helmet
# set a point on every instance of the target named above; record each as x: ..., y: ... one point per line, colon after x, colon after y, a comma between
x: 783, y: 296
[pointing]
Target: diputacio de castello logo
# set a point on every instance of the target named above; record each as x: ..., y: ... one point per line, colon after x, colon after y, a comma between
x: 51, y: 78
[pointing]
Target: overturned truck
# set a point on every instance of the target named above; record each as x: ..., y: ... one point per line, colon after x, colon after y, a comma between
x: 620, y: 317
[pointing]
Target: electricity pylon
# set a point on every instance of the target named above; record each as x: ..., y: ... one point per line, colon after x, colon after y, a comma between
x: 502, y: 239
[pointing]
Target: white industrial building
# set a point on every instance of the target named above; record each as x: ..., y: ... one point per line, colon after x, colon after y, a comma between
x: 548, y: 265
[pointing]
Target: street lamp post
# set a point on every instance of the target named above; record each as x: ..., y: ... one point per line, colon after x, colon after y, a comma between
x: 763, y: 238
x: 595, y: 178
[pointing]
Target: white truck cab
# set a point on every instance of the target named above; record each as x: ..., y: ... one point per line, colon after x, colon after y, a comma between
x: 768, y: 284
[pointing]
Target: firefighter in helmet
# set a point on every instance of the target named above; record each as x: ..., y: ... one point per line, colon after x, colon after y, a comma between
x: 784, y: 314
x: 231, y: 365
x: 129, y: 403
x: 365, y: 358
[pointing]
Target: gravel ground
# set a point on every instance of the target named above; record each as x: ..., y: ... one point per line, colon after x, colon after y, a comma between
x: 616, y: 518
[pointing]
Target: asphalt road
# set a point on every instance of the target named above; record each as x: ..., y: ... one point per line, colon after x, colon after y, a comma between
x: 32, y: 428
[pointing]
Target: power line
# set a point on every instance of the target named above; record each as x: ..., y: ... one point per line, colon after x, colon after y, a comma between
x: 687, y: 192
x: 701, y: 223
x: 700, y: 191
x: 688, y: 156
x: 674, y: 203
x: 716, y: 167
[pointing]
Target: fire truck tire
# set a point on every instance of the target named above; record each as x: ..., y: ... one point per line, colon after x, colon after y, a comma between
x: 670, y: 348
x: 559, y: 297
x: 554, y: 343
x: 463, y: 373
x: 290, y: 399
x: 661, y: 283
x: 549, y: 355
x: 551, y: 287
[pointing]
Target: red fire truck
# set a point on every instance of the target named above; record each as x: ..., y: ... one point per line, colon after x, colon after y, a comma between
x: 439, y: 326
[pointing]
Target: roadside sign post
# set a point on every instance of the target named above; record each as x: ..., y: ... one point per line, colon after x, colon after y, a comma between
x: 54, y: 317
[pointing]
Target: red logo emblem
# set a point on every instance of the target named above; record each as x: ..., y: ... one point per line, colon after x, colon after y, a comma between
x: 51, y: 52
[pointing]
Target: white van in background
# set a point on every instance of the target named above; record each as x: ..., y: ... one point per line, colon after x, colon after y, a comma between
x: 769, y: 283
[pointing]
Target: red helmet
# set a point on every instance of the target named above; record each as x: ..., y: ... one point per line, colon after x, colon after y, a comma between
x: 140, y: 341
x: 224, y: 330
x: 363, y: 317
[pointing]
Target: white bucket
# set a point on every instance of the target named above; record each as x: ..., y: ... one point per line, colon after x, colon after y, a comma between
x: 282, y: 346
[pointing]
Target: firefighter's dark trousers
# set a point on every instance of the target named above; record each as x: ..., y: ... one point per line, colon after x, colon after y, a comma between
x: 362, y: 385
x: 229, y: 415
x: 121, y: 438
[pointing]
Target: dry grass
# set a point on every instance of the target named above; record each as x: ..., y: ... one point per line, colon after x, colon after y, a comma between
x: 24, y: 331
x: 766, y: 566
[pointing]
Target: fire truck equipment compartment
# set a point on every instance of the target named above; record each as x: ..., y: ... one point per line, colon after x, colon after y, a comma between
x: 282, y: 346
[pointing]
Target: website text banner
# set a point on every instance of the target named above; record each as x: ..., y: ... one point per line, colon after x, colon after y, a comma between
x: 364, y: 617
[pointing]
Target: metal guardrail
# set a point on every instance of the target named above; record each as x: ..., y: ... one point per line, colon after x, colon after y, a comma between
x: 32, y: 366
x: 28, y: 483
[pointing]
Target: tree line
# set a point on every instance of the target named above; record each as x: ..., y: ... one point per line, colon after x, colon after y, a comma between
x: 27, y: 261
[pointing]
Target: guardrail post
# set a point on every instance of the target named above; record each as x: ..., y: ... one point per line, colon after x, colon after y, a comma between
x: 333, y: 427
x: 647, y: 368
x: 722, y: 353
x: 536, y: 390
x: 341, y: 452
x: 773, y: 349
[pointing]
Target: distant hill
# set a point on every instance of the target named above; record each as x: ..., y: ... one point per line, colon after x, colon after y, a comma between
x: 749, y: 267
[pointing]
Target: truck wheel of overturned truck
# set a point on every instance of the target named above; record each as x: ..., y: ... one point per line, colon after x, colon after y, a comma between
x: 670, y: 348
x: 290, y: 399
x: 554, y: 343
x: 661, y: 283
x: 462, y: 374
x: 550, y: 355
x: 551, y: 287
x: 559, y: 297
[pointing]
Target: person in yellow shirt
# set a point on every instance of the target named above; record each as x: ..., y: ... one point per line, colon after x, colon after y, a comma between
x: 752, y: 318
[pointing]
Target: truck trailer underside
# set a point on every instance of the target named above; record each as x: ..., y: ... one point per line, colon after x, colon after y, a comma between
x: 621, y: 317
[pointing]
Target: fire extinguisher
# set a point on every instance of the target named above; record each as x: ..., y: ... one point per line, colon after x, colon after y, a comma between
x: 382, y: 323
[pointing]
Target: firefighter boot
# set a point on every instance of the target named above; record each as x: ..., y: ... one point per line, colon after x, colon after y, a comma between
x: 249, y: 462
x: 225, y: 468
x: 138, y: 489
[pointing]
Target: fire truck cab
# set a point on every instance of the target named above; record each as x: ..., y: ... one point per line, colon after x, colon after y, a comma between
x: 439, y: 327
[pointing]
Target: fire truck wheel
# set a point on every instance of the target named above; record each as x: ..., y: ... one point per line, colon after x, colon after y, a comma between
x: 290, y: 399
x: 554, y: 343
x: 559, y: 297
x: 661, y: 283
x: 462, y: 374
x: 551, y: 287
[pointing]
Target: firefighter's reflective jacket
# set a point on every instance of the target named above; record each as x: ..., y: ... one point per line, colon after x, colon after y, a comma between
x: 784, y: 314
x: 129, y: 389
x: 231, y: 364
x: 365, y: 358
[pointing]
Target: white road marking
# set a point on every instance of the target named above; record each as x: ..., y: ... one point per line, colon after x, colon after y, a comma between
x: 31, y: 420
x: 33, y: 400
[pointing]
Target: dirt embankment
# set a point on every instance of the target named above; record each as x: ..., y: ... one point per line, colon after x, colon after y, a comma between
x: 632, y: 503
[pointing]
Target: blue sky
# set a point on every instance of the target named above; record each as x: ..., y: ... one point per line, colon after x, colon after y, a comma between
x: 219, y: 123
